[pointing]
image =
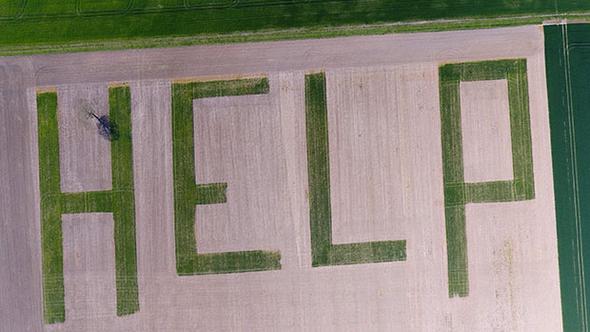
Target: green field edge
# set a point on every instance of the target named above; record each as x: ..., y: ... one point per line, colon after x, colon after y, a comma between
x: 266, y: 35
x: 567, y: 174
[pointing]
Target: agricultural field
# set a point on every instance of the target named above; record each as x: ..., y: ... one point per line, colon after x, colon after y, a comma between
x: 403, y: 185
x: 38, y: 26
x: 567, y: 53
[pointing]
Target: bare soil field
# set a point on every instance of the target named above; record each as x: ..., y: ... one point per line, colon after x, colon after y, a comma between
x: 89, y: 266
x: 20, y: 275
x: 485, y: 121
x: 245, y: 149
x: 376, y: 116
x: 85, y: 157
x: 386, y: 183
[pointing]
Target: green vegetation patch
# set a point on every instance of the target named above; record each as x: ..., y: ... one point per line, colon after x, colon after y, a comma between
x: 55, y: 23
x: 188, y: 194
x: 10, y: 8
x: 214, y: 3
x: 120, y: 201
x: 38, y: 10
x: 567, y: 60
x: 156, y: 5
x: 457, y: 192
x: 322, y: 250
x: 104, y: 6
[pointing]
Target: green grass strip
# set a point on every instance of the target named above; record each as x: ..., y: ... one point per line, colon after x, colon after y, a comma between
x: 457, y: 192
x: 120, y: 201
x: 188, y: 194
x: 123, y: 202
x: 51, y: 231
x: 322, y: 250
